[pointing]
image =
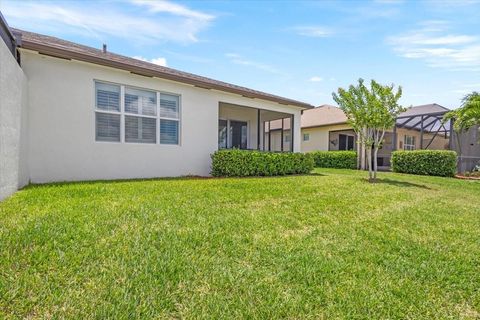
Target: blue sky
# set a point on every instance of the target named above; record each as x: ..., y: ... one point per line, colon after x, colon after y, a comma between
x: 300, y: 50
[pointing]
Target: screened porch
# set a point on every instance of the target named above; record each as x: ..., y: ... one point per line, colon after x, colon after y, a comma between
x: 248, y: 128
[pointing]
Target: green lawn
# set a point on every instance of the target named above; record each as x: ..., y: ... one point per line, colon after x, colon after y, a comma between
x: 327, y: 245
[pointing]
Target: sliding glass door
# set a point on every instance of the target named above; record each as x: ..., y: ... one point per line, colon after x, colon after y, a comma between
x: 346, y: 142
x: 232, y: 134
x: 238, y: 134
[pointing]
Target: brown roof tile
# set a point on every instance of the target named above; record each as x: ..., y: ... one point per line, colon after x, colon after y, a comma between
x: 322, y: 116
x: 65, y: 49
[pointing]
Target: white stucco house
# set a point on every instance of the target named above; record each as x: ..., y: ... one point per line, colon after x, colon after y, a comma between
x: 70, y: 112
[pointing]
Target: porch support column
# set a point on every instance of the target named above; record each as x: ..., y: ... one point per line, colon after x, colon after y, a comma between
x: 394, y: 137
x: 450, y: 141
x: 421, y: 133
x: 292, y: 127
x: 281, y: 136
x: 263, y: 134
x: 269, y: 136
x: 258, y: 129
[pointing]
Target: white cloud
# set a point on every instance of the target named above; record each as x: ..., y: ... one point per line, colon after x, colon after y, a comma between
x: 160, y: 61
x: 389, y: 1
x: 173, y: 8
x: 472, y: 85
x: 238, y: 59
x: 467, y: 88
x: 313, y: 31
x: 433, y: 43
x: 316, y: 79
x: 164, y: 21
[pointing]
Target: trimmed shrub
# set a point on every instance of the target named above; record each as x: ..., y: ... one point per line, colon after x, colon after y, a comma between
x: 243, y: 163
x: 425, y: 162
x: 335, y: 159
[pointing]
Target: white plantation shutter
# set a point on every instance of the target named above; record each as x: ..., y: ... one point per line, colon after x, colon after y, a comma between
x: 168, y: 131
x: 124, y: 114
x: 169, y: 119
x: 168, y: 106
x: 107, y: 117
x: 107, y: 127
x: 107, y: 96
x: 140, y: 129
x: 140, y: 102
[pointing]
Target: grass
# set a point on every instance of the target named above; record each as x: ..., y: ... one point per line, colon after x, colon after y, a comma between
x: 327, y: 245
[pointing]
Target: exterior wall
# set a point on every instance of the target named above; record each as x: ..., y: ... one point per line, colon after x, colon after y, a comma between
x: 335, y: 135
x: 62, y: 144
x: 439, y: 143
x: 276, y: 143
x: 13, y: 94
x: 319, y: 137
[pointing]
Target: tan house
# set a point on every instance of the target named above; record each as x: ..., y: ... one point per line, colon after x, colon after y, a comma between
x: 419, y: 127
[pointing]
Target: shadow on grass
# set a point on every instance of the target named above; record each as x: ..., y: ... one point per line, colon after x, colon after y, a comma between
x: 402, y: 184
x: 138, y: 180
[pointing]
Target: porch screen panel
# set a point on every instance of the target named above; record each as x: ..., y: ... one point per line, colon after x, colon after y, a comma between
x: 222, y: 134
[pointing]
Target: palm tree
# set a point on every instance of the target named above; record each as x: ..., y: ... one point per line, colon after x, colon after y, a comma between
x: 465, y: 117
x: 468, y: 115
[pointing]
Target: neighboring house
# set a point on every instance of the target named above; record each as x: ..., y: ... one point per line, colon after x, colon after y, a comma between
x: 71, y: 112
x: 420, y: 127
x: 326, y: 128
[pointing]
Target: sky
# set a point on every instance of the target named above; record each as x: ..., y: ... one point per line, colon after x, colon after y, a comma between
x: 303, y: 50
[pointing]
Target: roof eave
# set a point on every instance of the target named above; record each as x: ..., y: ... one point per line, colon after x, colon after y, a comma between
x: 69, y: 54
x: 324, y: 125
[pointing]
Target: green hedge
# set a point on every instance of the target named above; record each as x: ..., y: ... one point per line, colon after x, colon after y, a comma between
x: 242, y: 163
x: 335, y: 159
x: 426, y: 162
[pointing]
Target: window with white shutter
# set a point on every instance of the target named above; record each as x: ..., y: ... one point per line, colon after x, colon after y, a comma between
x: 125, y: 114
x: 107, y: 127
x: 140, y: 102
x: 107, y: 114
x: 141, y: 128
x: 107, y: 96
x: 169, y: 119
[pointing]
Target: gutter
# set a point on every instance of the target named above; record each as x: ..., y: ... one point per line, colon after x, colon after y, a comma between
x: 63, y: 53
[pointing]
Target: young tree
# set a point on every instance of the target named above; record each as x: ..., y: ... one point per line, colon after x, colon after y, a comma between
x: 370, y: 111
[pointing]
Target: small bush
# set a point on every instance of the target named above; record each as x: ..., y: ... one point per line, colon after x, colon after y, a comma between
x: 335, y: 159
x: 426, y: 162
x: 242, y: 163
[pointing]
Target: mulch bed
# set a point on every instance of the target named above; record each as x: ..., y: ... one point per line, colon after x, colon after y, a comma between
x: 459, y: 176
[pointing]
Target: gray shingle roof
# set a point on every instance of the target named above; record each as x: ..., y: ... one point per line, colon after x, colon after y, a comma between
x: 424, y: 109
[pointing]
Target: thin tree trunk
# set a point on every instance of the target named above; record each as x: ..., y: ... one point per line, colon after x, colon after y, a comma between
x: 368, y: 147
x: 369, y: 159
x: 379, y: 135
x: 359, y: 161
x: 364, y: 135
